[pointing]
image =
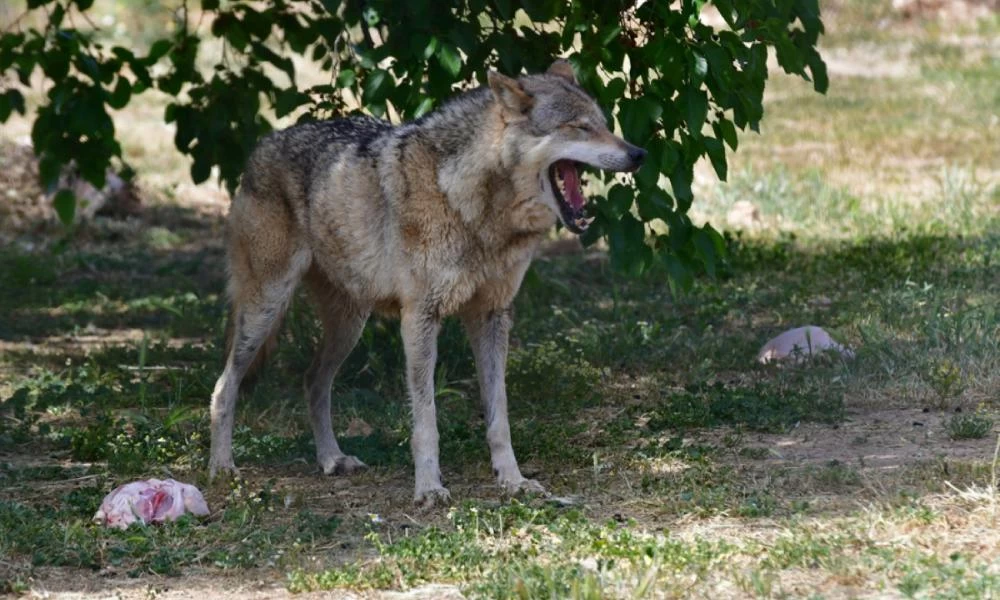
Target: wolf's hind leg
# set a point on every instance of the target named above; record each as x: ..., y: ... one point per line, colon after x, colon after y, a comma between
x: 258, y: 308
x: 343, y: 321
x: 488, y: 334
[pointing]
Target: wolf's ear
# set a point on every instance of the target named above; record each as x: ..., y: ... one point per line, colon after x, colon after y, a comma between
x: 509, y: 93
x: 562, y: 68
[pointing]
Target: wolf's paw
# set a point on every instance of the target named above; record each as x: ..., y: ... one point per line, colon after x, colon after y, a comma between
x: 342, y: 465
x: 429, y: 498
x: 525, y: 486
x: 222, y: 469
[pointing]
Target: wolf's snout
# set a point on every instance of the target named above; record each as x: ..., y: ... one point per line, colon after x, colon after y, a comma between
x: 636, y: 155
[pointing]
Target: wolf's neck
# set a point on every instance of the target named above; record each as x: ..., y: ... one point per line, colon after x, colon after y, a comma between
x: 467, y: 134
x: 461, y: 124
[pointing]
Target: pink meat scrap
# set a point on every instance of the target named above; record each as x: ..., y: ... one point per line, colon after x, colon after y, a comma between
x: 150, y: 501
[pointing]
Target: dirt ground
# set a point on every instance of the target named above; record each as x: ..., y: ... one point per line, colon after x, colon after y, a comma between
x: 886, y: 448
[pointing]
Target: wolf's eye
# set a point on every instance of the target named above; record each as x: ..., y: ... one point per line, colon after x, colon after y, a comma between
x: 583, y: 127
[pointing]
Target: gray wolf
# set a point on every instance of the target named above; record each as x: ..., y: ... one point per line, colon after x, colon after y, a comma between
x: 435, y: 217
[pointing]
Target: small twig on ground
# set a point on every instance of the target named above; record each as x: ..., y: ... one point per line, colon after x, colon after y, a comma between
x: 62, y: 482
x: 993, y: 480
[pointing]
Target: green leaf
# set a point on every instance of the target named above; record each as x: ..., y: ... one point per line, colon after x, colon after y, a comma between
x: 94, y: 167
x: 48, y: 170
x: 430, y: 48
x: 449, y: 57
x: 627, y: 241
x: 681, y: 280
x: 466, y: 36
x: 158, y: 50
x: 699, y: 68
x: 55, y: 65
x: 123, y: 54
x: 609, y: 33
x: 706, y: 250
x: 637, y: 117
x: 345, y: 78
x: 201, y: 168
x: 424, y: 107
x: 83, y: 5
x: 680, y: 181
x: 717, y: 154
x: 818, y: 69
x: 287, y: 100
x: 541, y: 11
x: 65, y: 205
x: 257, y: 23
x: 695, y: 104
x: 717, y: 240
x: 13, y: 100
x: 121, y: 94
x: 262, y: 52
x: 504, y: 8
x: 726, y: 10
x: 721, y: 63
x: 789, y: 57
x: 654, y: 204
x: 612, y: 91
x: 237, y: 37
x: 210, y: 4
x: 376, y: 88
x: 620, y: 199
x: 669, y: 158
x: 728, y: 133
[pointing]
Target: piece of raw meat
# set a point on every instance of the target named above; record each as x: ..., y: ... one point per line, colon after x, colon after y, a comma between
x: 799, y: 343
x: 150, y: 501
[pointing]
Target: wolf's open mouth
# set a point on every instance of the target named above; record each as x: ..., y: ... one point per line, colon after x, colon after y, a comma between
x: 565, y: 180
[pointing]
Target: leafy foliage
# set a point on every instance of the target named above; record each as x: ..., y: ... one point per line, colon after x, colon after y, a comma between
x: 674, y: 85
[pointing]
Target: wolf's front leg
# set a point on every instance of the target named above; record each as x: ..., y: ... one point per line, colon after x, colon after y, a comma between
x: 420, y: 331
x: 488, y: 333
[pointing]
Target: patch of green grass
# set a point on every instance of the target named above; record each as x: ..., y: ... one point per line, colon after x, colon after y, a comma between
x: 971, y: 426
x: 552, y: 373
x: 835, y: 476
x: 246, y: 533
x: 519, y: 551
x: 945, y: 378
x: 755, y: 453
x: 757, y: 505
x: 952, y: 577
x: 763, y: 408
x: 492, y: 551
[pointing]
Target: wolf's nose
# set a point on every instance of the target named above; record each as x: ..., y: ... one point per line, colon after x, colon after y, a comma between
x: 636, y: 154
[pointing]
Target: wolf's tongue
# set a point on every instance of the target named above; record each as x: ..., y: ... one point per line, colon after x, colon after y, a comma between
x: 571, y: 183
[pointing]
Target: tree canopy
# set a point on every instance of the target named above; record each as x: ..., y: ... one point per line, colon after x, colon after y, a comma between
x: 672, y: 83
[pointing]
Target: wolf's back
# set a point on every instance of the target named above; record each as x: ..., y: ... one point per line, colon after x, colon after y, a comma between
x: 285, y: 162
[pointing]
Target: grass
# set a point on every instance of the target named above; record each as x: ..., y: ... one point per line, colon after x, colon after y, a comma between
x: 969, y: 427
x: 679, y: 466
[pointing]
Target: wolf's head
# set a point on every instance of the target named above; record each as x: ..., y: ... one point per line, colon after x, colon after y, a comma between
x: 553, y: 127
